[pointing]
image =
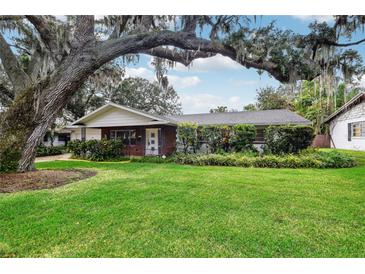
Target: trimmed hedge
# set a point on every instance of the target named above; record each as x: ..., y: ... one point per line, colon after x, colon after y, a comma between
x: 49, y: 151
x: 288, y: 139
x: 315, y: 159
x: 96, y: 150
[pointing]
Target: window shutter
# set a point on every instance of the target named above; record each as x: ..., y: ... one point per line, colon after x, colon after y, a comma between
x: 349, y: 133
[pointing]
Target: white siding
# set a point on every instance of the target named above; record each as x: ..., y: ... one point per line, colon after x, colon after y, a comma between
x: 339, y: 128
x: 116, y: 117
x: 91, y: 134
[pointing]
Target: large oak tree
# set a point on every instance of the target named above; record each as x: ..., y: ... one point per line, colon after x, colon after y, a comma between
x: 47, y: 59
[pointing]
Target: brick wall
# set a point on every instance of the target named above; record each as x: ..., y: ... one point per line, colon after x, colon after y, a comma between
x: 168, y: 139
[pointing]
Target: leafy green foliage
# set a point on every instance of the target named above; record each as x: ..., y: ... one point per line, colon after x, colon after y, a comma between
x: 187, y: 136
x: 96, y: 150
x: 49, y: 151
x: 243, y: 137
x: 9, y: 157
x: 219, y: 109
x: 288, y: 139
x: 271, y: 98
x: 249, y: 107
x: 313, y: 102
x: 216, y: 137
x: 309, y: 159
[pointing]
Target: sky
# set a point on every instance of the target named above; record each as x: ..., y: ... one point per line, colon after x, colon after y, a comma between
x: 220, y: 81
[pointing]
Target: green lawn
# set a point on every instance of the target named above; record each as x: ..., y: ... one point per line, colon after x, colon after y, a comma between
x: 168, y: 210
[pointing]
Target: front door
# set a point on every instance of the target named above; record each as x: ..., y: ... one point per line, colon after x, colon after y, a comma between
x: 151, y: 141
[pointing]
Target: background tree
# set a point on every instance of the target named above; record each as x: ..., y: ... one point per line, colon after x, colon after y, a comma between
x: 312, y: 103
x: 271, y: 98
x: 47, y: 60
x: 249, y: 107
x: 219, y: 109
x: 133, y: 92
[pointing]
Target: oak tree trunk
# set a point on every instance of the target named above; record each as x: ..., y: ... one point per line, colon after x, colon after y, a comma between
x: 43, y: 104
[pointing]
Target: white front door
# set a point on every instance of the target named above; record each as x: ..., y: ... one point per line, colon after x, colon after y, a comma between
x: 151, y: 141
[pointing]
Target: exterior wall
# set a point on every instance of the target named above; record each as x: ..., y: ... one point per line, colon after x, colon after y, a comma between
x: 168, y: 139
x: 339, y: 129
x: 91, y: 134
x: 116, y: 117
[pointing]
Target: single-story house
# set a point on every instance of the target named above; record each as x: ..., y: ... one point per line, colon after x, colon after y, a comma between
x: 144, y: 133
x: 347, y: 125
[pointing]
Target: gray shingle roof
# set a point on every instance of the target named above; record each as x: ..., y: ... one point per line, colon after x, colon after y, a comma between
x: 261, y: 117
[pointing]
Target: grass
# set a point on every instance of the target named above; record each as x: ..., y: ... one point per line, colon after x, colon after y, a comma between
x: 168, y: 210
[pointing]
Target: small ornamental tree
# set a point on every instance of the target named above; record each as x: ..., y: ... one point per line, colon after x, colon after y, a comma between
x: 243, y: 137
x: 187, y: 136
x: 288, y: 139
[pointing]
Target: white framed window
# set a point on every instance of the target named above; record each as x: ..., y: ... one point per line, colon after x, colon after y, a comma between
x: 358, y: 129
x: 127, y: 136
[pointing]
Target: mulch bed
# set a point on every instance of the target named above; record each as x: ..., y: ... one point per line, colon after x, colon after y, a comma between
x: 40, y: 179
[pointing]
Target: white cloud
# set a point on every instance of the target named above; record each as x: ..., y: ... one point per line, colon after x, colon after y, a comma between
x: 217, y: 62
x: 234, y: 99
x: 183, y: 82
x: 319, y: 18
x: 177, y: 82
x: 203, y: 102
x: 140, y: 72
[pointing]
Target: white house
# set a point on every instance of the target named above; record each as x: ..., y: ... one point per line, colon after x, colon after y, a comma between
x: 347, y: 125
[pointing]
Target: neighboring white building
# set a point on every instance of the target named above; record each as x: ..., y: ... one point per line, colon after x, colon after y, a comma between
x: 60, y: 138
x: 347, y: 125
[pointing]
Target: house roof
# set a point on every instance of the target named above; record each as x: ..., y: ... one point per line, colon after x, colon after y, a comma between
x: 354, y: 101
x: 261, y: 117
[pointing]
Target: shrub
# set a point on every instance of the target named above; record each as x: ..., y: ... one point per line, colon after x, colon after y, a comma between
x: 187, y: 136
x: 9, y: 158
x: 49, y: 151
x: 315, y: 159
x: 96, y: 150
x: 217, y: 137
x: 288, y: 139
x: 243, y: 137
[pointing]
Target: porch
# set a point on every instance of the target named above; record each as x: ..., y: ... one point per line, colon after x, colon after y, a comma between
x: 143, y: 140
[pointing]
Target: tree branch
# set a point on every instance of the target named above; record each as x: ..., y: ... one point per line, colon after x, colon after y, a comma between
x: 332, y: 43
x: 184, y: 58
x: 45, y: 32
x: 84, y: 30
x: 134, y: 44
x: 16, y: 74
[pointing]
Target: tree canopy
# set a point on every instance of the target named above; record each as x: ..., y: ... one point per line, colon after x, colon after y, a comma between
x: 47, y: 59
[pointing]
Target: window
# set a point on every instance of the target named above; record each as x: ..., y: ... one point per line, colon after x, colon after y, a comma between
x: 358, y: 129
x: 127, y: 136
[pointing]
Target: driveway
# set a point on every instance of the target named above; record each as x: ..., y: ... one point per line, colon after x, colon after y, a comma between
x: 53, y: 158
